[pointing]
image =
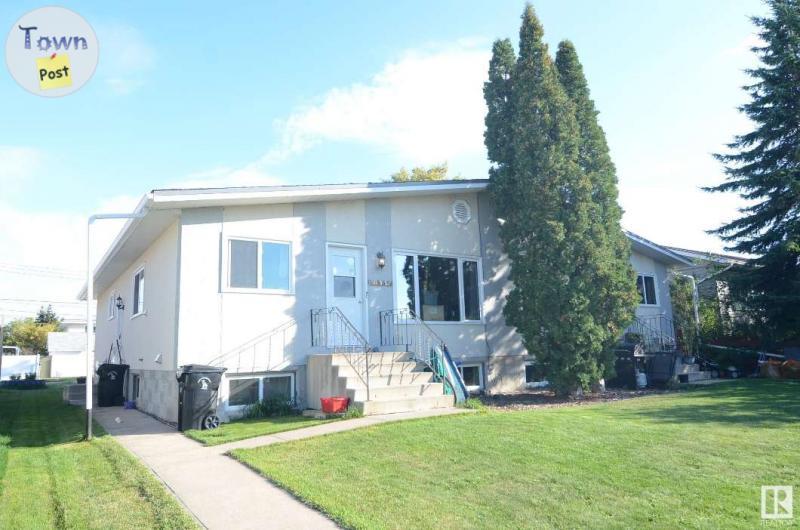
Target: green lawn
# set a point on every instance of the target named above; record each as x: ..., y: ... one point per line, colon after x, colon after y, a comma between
x: 239, y: 430
x: 691, y: 459
x: 49, y: 478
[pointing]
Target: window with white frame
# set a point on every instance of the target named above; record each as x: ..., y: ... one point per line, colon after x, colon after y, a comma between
x: 244, y: 391
x: 646, y: 285
x: 138, y: 293
x: 438, y: 288
x: 472, y: 374
x: 259, y: 264
x: 112, y: 307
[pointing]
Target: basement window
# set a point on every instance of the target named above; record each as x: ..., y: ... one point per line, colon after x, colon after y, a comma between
x: 646, y: 285
x: 473, y: 376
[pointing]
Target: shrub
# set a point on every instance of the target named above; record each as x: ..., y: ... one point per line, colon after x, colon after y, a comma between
x: 271, y: 407
x: 353, y: 412
x: 30, y: 376
x: 472, y: 404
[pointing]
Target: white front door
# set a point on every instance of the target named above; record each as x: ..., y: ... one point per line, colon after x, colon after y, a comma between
x: 345, y: 283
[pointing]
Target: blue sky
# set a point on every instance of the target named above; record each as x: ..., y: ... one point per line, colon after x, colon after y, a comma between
x: 309, y: 92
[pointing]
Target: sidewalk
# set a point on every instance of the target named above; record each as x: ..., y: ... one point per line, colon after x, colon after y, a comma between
x: 220, y: 492
x: 217, y: 490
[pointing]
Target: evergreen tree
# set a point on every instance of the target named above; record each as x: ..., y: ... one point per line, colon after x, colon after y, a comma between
x: 764, y: 166
x: 546, y: 202
x: 615, y: 296
x: 47, y: 316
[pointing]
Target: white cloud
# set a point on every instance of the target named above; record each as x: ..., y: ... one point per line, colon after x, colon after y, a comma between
x: 18, y: 163
x: 426, y: 107
x: 125, y: 57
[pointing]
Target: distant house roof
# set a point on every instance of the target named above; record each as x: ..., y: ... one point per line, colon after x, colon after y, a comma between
x: 701, y: 255
x: 161, y: 207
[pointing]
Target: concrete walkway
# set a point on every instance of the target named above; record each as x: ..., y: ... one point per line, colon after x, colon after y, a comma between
x: 217, y: 490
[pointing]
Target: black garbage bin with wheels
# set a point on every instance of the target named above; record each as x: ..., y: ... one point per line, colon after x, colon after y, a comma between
x: 110, y: 387
x: 198, y: 385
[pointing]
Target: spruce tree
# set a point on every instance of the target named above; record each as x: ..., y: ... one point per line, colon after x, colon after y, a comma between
x: 764, y: 166
x: 546, y: 203
x: 615, y: 295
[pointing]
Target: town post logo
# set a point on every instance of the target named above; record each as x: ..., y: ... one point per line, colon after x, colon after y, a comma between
x: 51, y: 51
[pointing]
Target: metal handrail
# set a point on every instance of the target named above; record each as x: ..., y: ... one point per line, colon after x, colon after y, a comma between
x: 251, y: 348
x: 333, y: 331
x: 402, y: 327
x: 657, y: 332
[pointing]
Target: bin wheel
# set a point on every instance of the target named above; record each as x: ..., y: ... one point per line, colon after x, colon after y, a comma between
x: 211, y: 421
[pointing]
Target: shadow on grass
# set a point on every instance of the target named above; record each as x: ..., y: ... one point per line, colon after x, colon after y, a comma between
x: 39, y: 418
x: 753, y: 402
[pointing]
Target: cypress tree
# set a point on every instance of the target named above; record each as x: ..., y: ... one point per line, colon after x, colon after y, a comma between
x: 546, y: 203
x: 615, y: 296
x: 764, y: 167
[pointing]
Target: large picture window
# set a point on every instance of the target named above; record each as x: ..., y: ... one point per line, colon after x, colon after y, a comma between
x: 438, y: 288
x: 255, y: 264
x: 646, y: 285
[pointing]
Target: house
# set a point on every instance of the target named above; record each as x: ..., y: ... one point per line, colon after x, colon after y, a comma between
x: 288, y: 286
x: 67, y: 353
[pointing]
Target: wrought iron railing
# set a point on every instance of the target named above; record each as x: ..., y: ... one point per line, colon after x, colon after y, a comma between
x: 333, y: 332
x: 401, y: 327
x: 262, y: 353
x: 656, y: 333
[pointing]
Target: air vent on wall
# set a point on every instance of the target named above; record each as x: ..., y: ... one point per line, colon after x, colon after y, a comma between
x: 462, y: 213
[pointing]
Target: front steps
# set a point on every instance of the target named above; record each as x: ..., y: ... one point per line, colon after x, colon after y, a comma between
x: 396, y: 383
x: 691, y: 373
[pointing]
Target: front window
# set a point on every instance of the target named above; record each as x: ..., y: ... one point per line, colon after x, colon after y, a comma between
x: 138, y: 293
x: 259, y: 265
x: 646, y: 285
x: 437, y: 288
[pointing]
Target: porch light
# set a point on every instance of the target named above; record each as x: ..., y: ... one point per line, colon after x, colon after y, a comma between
x: 381, y: 260
x: 120, y: 303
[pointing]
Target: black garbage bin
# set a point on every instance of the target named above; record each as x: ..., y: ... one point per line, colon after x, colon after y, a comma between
x: 111, y: 384
x: 198, y: 385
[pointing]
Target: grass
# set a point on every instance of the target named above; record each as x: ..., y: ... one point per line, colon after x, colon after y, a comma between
x: 242, y: 429
x: 50, y: 478
x: 691, y: 459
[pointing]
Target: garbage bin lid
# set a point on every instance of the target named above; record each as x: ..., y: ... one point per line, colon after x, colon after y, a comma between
x: 196, y: 368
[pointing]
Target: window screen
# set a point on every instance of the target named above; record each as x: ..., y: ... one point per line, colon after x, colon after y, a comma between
x: 278, y: 387
x: 242, y: 391
x: 244, y: 264
x: 471, y: 375
x: 138, y: 292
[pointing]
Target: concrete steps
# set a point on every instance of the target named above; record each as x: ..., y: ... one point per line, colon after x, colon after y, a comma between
x: 396, y: 383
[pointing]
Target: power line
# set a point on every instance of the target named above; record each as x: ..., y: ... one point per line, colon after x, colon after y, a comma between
x: 29, y: 270
x: 34, y: 301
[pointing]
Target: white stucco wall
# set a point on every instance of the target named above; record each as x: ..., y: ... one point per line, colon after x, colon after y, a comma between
x: 152, y: 334
x: 646, y: 265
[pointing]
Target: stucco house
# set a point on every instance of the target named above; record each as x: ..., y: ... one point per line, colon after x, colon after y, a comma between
x: 287, y: 286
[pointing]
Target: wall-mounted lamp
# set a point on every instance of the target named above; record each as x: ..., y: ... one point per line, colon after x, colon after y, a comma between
x: 380, y: 260
x: 120, y: 303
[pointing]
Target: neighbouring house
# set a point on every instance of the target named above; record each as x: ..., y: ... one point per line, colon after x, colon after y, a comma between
x: 288, y: 286
x: 709, y: 271
x: 67, y: 353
